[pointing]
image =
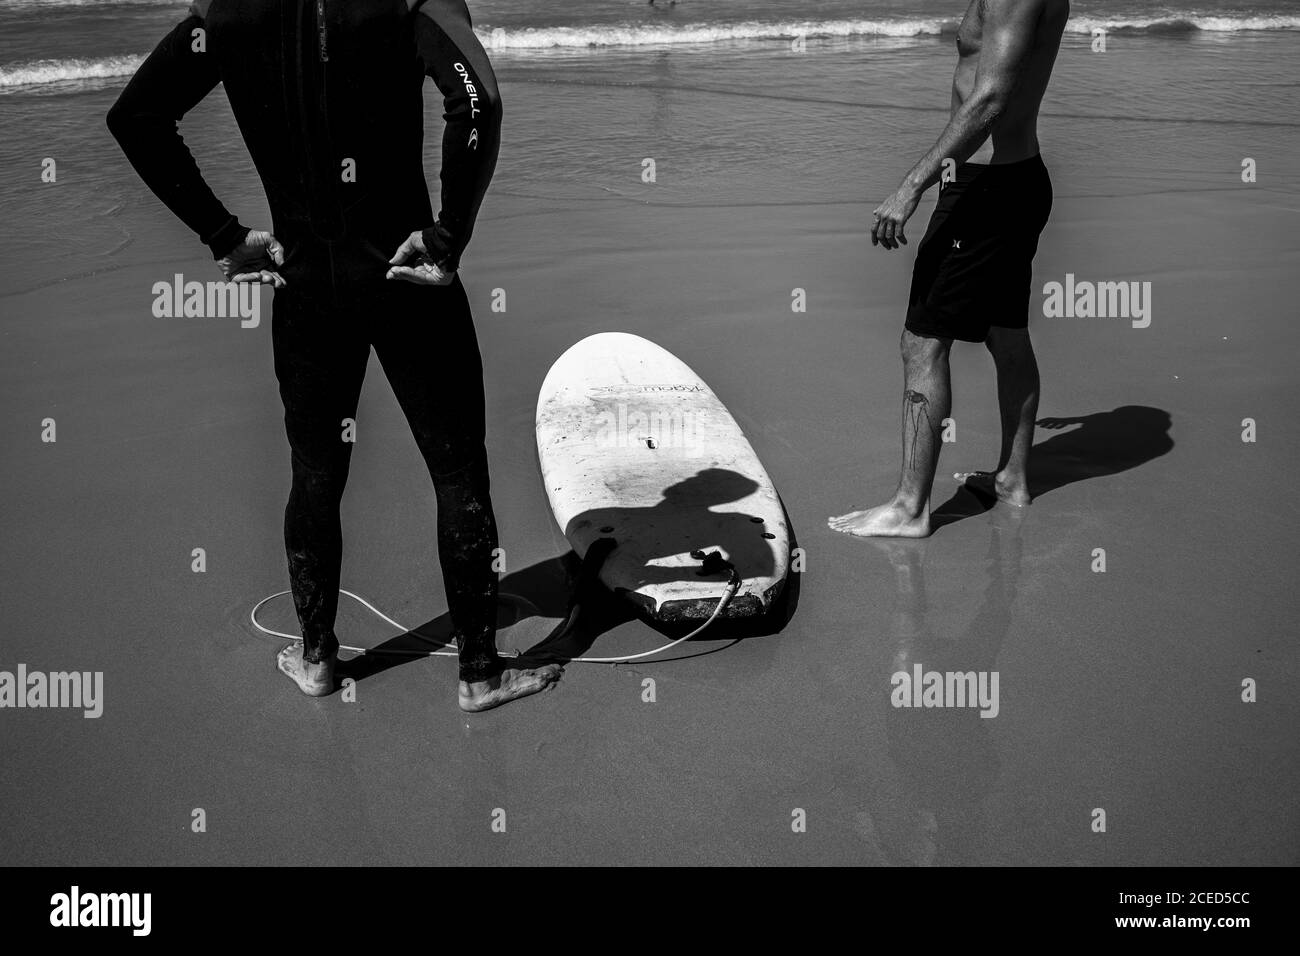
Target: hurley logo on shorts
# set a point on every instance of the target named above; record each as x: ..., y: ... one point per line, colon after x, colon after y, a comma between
x: 103, y: 909
x: 1101, y: 300
x: 946, y: 689
x: 56, y: 689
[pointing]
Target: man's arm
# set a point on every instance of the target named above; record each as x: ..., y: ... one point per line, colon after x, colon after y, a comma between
x: 1010, y: 27
x: 169, y: 84
x: 459, y: 67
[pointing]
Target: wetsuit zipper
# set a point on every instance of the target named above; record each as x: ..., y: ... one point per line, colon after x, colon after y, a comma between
x: 322, y: 45
x: 313, y: 117
x: 321, y: 41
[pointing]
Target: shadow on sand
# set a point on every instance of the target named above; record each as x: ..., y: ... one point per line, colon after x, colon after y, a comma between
x: 1103, y: 444
x: 547, y: 590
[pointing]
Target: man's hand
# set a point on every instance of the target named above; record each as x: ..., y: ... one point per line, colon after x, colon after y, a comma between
x: 255, y: 260
x: 890, y: 216
x: 420, y: 269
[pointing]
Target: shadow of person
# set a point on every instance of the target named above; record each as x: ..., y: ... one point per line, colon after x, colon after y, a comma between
x: 548, y: 589
x: 541, y: 590
x: 655, y: 543
x: 1102, y: 444
x: 602, y: 610
x: 945, y: 757
x: 653, y: 547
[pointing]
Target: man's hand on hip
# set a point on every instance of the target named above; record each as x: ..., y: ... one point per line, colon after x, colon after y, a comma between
x: 256, y: 259
x: 411, y: 263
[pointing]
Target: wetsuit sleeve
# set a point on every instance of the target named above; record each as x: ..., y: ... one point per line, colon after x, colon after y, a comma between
x: 453, y: 57
x: 170, y: 82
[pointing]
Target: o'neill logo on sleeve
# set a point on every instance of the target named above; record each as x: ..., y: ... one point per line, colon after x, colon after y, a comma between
x: 472, y: 91
x: 102, y: 909
x: 470, y: 88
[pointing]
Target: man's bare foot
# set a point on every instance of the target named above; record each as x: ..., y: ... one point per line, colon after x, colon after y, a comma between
x: 885, y: 521
x: 1014, y: 491
x: 314, y: 680
x: 511, y: 684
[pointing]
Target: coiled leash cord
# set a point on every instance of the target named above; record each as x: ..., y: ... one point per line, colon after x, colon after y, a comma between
x: 713, y: 562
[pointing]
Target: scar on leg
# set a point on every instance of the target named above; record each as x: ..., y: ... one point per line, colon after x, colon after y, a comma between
x: 915, y: 408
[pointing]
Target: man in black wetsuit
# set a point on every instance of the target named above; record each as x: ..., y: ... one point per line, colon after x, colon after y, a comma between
x: 328, y: 98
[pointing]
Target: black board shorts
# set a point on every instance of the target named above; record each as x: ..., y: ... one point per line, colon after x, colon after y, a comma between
x: 974, y: 267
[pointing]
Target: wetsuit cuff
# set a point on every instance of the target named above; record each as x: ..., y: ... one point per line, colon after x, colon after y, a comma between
x: 479, y: 660
x: 480, y: 667
x: 226, y: 238
x: 440, y: 246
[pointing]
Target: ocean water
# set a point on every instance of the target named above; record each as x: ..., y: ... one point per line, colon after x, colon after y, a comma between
x: 713, y: 90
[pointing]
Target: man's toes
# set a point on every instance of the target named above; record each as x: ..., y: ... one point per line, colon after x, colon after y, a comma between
x: 547, y: 674
x: 533, y: 677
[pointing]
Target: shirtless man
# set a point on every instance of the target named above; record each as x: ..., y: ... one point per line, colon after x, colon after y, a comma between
x: 973, y: 268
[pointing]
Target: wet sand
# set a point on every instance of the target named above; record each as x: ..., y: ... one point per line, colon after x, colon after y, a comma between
x: 1118, y: 690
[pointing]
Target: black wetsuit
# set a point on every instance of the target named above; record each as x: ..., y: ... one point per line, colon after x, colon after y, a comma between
x: 327, y: 94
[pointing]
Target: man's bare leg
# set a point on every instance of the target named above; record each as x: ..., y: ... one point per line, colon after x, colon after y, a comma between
x: 927, y: 399
x: 1018, y: 388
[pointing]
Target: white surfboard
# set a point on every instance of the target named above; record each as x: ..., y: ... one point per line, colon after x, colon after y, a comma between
x: 634, y: 446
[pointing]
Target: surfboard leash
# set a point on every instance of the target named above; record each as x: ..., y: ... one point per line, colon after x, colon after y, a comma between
x: 596, y: 556
x: 598, y: 552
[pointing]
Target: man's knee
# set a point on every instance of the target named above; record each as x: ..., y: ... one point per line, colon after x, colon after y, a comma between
x: 1011, y: 343
x: 923, y: 350
x: 323, y: 475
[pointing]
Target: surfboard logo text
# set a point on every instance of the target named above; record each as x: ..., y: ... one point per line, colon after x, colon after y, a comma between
x: 649, y: 389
